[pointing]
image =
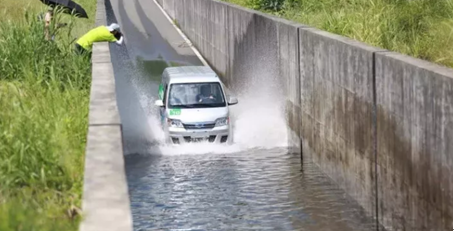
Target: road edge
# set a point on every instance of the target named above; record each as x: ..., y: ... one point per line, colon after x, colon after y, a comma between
x: 185, y: 38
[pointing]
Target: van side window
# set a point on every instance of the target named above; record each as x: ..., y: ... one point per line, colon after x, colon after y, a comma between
x: 165, y: 95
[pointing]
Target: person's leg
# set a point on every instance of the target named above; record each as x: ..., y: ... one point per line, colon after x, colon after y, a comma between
x: 80, y: 50
x: 77, y: 49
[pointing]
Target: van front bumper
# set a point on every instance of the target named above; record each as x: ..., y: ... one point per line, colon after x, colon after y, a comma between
x: 215, y: 135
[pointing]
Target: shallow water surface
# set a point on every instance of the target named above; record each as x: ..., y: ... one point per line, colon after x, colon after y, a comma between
x: 259, y: 189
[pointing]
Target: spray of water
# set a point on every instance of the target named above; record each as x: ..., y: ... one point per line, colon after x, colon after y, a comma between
x: 258, y: 119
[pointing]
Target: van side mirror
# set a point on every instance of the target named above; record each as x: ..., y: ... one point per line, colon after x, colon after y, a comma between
x: 232, y: 101
x: 159, y: 103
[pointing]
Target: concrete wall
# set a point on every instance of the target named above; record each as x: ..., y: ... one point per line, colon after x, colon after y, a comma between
x: 289, y: 70
x: 378, y: 123
x: 105, y: 202
x: 414, y: 127
x: 337, y: 111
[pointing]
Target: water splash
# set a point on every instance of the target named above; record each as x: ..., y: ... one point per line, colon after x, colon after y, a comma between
x: 258, y: 120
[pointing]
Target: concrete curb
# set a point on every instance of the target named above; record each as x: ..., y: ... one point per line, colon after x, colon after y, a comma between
x: 105, y: 201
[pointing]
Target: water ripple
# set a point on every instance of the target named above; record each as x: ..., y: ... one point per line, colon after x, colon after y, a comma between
x: 254, y: 190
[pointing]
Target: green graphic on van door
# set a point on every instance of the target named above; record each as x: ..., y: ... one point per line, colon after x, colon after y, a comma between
x: 174, y: 112
x: 161, y: 92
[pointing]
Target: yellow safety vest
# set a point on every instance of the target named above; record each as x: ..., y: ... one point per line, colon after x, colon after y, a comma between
x: 98, y: 34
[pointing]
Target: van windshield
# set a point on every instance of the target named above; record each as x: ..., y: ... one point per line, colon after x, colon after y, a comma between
x: 196, y: 95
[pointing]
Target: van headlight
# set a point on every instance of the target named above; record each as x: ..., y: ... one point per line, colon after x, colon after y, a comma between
x: 174, y: 123
x: 222, y: 122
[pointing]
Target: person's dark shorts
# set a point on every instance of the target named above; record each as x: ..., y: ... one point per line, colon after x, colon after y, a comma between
x: 81, y: 51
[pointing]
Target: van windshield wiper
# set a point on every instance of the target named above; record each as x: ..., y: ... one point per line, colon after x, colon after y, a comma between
x: 183, y: 106
x: 198, y: 105
x: 213, y: 105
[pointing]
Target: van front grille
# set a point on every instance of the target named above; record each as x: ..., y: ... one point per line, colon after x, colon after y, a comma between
x: 198, y: 126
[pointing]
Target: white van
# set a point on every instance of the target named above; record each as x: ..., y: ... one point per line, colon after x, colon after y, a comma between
x: 194, y: 105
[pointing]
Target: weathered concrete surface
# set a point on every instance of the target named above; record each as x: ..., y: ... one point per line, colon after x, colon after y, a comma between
x: 103, y: 102
x: 414, y: 127
x: 100, y: 54
x: 211, y: 34
x: 105, y: 200
x: 288, y: 46
x: 180, y: 15
x: 169, y: 5
x: 337, y: 111
x: 100, y: 13
x: 241, y: 39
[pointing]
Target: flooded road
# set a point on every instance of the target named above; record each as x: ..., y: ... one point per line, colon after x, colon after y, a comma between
x: 254, y: 184
x: 251, y: 190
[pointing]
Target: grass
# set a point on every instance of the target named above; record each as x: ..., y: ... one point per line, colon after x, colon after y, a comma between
x: 419, y: 28
x: 44, y: 95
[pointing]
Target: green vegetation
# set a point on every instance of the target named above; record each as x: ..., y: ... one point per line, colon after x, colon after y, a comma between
x: 44, y: 95
x: 419, y: 28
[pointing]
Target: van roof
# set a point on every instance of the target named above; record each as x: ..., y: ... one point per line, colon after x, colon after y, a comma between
x: 191, y: 74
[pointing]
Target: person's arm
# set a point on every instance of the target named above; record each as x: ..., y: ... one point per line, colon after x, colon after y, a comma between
x: 47, y: 19
x: 117, y: 38
x: 120, y: 41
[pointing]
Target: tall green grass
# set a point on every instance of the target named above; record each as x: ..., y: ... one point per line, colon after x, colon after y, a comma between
x: 419, y: 28
x: 44, y: 94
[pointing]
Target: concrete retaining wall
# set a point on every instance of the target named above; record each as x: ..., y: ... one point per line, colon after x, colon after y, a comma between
x: 337, y: 111
x: 378, y: 123
x: 289, y: 70
x: 105, y: 201
x: 414, y: 127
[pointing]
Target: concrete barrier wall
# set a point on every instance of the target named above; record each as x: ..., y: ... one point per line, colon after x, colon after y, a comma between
x: 414, y: 127
x: 337, y: 106
x: 289, y: 70
x: 105, y: 201
x: 378, y: 123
